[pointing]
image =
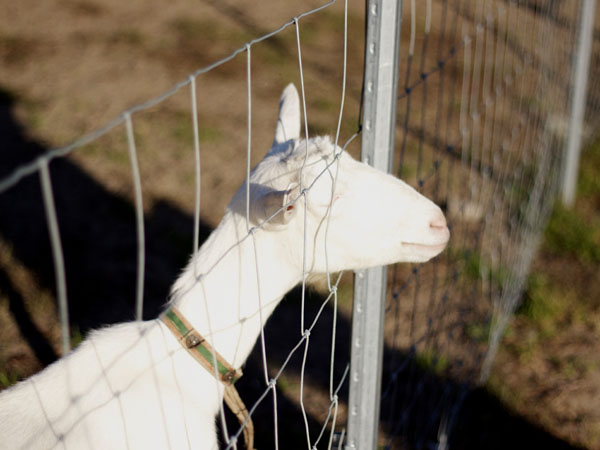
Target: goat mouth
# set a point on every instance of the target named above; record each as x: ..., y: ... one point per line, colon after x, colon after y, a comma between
x: 437, y: 248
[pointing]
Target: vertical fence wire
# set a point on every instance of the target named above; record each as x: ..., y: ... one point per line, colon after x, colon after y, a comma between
x: 57, y: 253
x: 197, y: 172
x: 139, y: 215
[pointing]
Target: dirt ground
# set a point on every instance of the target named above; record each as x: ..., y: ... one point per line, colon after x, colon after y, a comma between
x: 69, y: 67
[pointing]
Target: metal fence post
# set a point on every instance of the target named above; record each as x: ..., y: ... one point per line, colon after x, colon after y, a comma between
x: 579, y: 79
x: 379, y: 119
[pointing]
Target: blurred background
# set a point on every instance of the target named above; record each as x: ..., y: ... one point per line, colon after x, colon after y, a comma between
x: 68, y: 67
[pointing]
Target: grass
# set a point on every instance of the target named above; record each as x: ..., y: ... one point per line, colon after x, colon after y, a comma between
x: 114, y: 154
x: 570, y: 235
x: 407, y: 171
x: 589, y: 181
x: 7, y: 97
x: 474, y: 267
x: 541, y: 302
x: 286, y: 384
x: 128, y: 36
x: 206, y: 32
x: 85, y: 7
x: 549, y: 356
x: 76, y: 335
x: 573, y: 366
x: 432, y: 362
x: 478, y: 331
x: 573, y: 236
x: 7, y: 379
x: 16, y: 49
x: 182, y: 131
x: 32, y: 109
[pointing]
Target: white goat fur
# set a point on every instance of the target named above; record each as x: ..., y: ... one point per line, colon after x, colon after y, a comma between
x: 132, y: 385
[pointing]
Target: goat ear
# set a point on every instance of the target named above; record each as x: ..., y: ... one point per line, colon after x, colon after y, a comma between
x: 272, y: 202
x: 288, y: 121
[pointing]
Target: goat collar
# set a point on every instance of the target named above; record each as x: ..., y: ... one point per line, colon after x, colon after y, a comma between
x: 212, y: 361
x: 198, y: 347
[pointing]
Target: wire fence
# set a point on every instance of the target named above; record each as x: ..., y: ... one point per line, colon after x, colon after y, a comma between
x: 483, y: 97
x: 43, y: 165
x: 485, y: 90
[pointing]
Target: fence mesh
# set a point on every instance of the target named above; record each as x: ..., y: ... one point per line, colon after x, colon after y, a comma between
x: 482, y: 113
x: 484, y: 92
x: 135, y: 259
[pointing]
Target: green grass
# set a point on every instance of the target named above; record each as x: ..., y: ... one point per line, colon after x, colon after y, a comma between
x: 207, y: 31
x: 286, y: 384
x: 129, y: 36
x: 116, y: 155
x: 475, y: 268
x: 7, y: 97
x: 85, y: 7
x: 7, y: 379
x: 407, y: 171
x: 16, y: 49
x: 77, y: 336
x: 573, y: 366
x: 589, y: 179
x: 498, y: 388
x: 575, y: 232
x: 345, y: 293
x: 183, y: 132
x: 188, y: 28
x: 568, y: 234
x: 334, y: 20
x: 432, y: 362
x: 554, y: 303
x: 34, y: 114
x: 545, y: 307
x: 540, y: 300
x: 479, y: 331
x: 326, y: 105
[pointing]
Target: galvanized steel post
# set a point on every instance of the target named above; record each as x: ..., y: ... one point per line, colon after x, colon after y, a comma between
x: 577, y: 113
x: 379, y: 119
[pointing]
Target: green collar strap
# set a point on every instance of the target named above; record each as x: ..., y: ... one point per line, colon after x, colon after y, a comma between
x: 212, y: 361
x: 199, y: 347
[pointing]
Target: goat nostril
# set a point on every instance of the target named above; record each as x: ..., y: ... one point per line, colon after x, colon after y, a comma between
x: 438, y: 222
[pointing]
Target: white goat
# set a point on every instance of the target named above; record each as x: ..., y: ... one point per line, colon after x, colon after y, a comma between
x: 133, y: 386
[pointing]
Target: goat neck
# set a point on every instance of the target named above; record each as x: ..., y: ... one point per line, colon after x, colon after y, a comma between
x: 224, y: 293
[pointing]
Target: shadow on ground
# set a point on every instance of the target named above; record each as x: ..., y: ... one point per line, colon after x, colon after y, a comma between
x: 99, y: 242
